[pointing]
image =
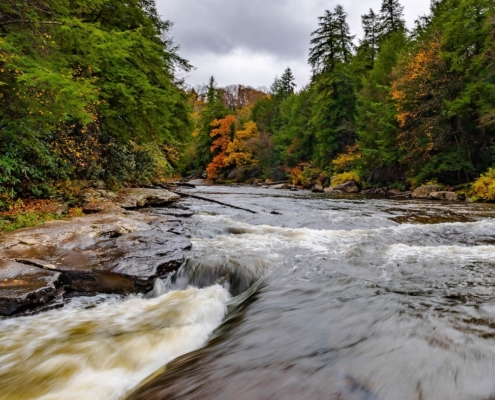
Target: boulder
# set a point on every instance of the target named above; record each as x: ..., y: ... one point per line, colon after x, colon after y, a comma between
x: 147, y: 197
x: 347, y: 187
x: 328, y: 189
x: 23, y: 287
x: 423, y: 191
x: 89, y: 195
x: 450, y: 196
x: 281, y: 186
x: 318, y: 189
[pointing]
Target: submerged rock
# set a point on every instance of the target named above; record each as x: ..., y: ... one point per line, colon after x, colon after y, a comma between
x: 347, y: 187
x: 423, y: 191
x: 23, y: 287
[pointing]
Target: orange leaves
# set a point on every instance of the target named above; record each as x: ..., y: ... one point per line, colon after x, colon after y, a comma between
x: 222, y: 132
x: 416, y: 81
x: 235, y: 152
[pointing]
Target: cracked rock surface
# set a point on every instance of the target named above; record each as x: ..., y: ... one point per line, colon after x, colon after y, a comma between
x: 107, y: 253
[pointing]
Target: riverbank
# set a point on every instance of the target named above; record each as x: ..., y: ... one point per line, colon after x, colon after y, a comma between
x: 122, y: 249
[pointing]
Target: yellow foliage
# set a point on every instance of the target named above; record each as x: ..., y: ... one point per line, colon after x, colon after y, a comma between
x: 345, y: 177
x: 304, y: 174
x: 346, y: 161
x: 484, y: 187
x: 238, y: 152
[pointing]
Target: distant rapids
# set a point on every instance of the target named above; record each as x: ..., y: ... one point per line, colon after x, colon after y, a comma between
x: 312, y: 297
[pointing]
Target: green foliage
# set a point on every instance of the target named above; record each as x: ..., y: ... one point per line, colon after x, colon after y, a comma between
x: 69, y: 67
x: 24, y: 220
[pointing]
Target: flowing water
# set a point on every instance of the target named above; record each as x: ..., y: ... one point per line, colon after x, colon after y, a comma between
x: 312, y: 297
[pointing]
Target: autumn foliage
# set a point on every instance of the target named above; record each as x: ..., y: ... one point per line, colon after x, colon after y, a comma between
x: 221, y: 133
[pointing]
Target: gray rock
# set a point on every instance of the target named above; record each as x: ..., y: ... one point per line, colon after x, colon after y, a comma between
x: 280, y: 186
x: 318, y: 189
x: 423, y: 191
x: 174, y: 212
x: 89, y: 195
x: 328, y: 189
x: 23, y: 287
x: 347, y: 187
x: 450, y: 196
x: 148, y: 197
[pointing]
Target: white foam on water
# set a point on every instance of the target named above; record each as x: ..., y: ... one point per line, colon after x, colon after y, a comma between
x: 104, y: 351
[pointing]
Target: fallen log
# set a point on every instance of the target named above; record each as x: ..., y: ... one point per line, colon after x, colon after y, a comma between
x: 195, y: 196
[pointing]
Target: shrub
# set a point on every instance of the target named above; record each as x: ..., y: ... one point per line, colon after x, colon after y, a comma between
x: 345, y: 177
x: 484, y: 187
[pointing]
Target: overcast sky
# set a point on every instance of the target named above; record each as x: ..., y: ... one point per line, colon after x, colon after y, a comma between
x: 251, y: 41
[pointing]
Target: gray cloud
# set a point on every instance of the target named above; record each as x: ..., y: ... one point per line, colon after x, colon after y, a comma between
x: 249, y: 42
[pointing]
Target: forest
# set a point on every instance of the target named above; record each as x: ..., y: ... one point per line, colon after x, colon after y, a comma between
x: 90, y: 90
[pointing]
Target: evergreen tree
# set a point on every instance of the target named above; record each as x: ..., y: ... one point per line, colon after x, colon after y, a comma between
x: 331, y: 42
x: 284, y: 87
x: 334, y: 104
x: 369, y: 44
x: 391, y: 18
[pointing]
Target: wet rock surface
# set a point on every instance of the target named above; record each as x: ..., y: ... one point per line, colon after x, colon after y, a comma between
x: 95, y: 254
x: 148, y: 197
x: 23, y: 287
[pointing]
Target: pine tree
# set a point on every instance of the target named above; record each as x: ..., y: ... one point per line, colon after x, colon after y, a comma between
x: 331, y: 42
x: 369, y: 44
x: 284, y: 86
x: 334, y: 104
x: 345, y: 41
x: 391, y: 18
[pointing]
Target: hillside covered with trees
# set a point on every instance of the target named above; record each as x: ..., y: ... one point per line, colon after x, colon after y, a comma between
x: 89, y: 90
x: 395, y: 107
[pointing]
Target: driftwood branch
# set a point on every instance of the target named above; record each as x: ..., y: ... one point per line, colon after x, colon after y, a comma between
x: 195, y: 196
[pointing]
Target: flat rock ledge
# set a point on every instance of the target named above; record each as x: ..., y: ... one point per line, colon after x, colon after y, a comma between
x: 106, y: 253
x: 148, y: 197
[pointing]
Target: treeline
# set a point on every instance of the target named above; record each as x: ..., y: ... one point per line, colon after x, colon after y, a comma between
x: 396, y: 107
x: 88, y: 90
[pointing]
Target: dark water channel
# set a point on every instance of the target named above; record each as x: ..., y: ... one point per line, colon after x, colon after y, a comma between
x: 340, y: 299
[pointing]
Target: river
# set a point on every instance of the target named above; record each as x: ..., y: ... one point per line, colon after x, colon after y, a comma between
x: 311, y: 297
